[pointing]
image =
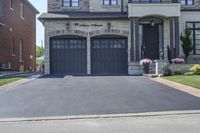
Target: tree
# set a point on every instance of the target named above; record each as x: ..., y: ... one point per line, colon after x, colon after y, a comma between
x: 187, y: 43
x: 39, y: 51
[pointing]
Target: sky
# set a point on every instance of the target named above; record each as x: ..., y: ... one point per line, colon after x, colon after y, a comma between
x: 41, y: 6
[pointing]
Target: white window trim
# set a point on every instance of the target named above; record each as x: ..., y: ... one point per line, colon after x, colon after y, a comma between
x: 13, y: 47
x: 22, y: 11
x: 11, y: 6
x: 21, y: 51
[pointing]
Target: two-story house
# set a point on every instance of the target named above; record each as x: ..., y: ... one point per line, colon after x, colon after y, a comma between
x: 106, y: 37
x: 17, y: 35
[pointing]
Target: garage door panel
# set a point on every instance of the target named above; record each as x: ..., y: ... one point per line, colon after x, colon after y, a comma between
x: 109, y: 56
x: 68, y: 56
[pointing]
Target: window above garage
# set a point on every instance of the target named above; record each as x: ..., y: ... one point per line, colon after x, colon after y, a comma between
x: 70, y: 3
x: 110, y: 2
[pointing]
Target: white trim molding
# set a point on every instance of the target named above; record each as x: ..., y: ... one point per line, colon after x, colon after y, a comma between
x: 165, y: 10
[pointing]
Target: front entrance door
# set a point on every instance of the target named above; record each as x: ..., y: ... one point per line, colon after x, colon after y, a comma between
x: 151, y: 41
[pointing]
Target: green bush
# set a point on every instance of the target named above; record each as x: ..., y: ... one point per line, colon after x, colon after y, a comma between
x: 166, y: 71
x: 178, y: 72
x: 195, y: 69
x: 189, y: 73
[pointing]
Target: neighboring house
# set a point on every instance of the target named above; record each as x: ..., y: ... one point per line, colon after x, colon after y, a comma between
x: 17, y: 35
x: 106, y: 37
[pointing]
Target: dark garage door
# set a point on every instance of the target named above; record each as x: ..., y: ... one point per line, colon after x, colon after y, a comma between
x: 68, y: 56
x: 109, y: 55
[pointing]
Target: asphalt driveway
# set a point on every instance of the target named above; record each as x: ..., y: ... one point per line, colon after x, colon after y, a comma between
x: 58, y: 96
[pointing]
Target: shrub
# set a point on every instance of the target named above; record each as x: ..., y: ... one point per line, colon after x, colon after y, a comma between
x: 166, y: 71
x: 187, y: 44
x: 178, y: 72
x: 195, y: 69
x: 189, y: 73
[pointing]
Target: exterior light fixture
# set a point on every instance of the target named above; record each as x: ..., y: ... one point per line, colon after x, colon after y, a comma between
x: 109, y: 26
x: 161, y: 54
x: 152, y: 23
x: 67, y: 25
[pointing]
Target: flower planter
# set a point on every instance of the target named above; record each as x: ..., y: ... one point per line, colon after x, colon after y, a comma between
x: 146, y: 68
x: 145, y: 63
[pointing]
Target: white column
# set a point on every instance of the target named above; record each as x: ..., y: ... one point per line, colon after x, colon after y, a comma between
x: 47, y: 54
x: 88, y: 56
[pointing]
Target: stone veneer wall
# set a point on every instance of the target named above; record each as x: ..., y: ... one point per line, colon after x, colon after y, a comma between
x: 56, y: 5
x: 83, y: 28
x: 182, y: 67
x: 166, y: 38
x: 173, y: 67
x: 87, y: 5
x: 97, y: 6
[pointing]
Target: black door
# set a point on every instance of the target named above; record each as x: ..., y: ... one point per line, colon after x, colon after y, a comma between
x: 109, y: 56
x: 68, y: 56
x: 151, y: 41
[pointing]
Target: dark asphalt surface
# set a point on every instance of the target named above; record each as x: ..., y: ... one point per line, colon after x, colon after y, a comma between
x: 58, y: 96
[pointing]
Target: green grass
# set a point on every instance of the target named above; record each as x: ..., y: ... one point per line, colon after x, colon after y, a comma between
x: 7, y: 80
x: 193, y: 81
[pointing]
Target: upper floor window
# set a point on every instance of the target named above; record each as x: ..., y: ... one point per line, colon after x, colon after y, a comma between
x: 187, y: 2
x: 11, y: 4
x: 70, y: 3
x: 22, y: 10
x: 195, y: 28
x: 110, y: 2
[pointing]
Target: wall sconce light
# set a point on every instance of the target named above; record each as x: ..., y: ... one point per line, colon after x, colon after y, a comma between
x: 109, y: 26
x: 67, y: 25
x: 152, y: 23
x: 161, y: 54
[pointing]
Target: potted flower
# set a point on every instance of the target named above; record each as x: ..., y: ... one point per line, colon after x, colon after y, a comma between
x: 145, y: 63
x: 177, y: 61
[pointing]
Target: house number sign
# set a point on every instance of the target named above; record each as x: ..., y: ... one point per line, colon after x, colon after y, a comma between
x: 87, y: 25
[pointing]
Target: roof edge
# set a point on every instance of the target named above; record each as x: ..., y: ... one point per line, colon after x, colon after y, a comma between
x: 31, y: 5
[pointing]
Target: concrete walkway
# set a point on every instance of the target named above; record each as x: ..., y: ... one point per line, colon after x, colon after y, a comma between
x: 174, y: 123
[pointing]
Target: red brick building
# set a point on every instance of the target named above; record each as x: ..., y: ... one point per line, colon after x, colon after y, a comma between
x: 18, y: 34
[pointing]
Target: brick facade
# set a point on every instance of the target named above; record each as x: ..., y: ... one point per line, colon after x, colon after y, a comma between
x: 15, y: 30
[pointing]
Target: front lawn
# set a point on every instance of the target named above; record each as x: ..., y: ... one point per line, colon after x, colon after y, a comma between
x: 7, y: 80
x: 193, y: 81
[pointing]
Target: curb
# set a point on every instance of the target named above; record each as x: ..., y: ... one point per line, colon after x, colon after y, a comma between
x: 178, y: 86
x: 103, y: 116
x: 19, y: 82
